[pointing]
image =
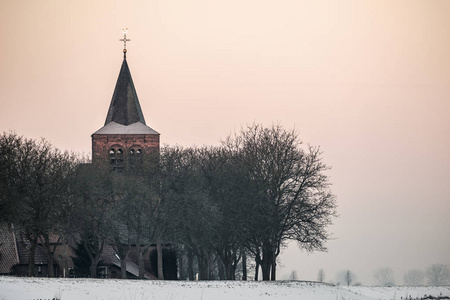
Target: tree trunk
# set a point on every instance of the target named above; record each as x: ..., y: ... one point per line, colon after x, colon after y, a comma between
x: 265, y: 267
x: 266, y: 261
x: 202, y: 268
x: 51, y: 269
x: 244, y: 265
x: 210, y: 267
x: 49, y: 252
x: 141, y: 263
x: 160, y: 260
x: 94, y: 263
x: 221, y: 268
x: 95, y: 258
x: 181, y: 266
x: 31, y: 260
x: 233, y: 269
x: 122, y: 251
x: 274, y: 266
x: 64, y: 262
x: 123, y: 264
x: 228, y: 270
x: 140, y: 255
x: 190, y: 266
x: 257, y: 261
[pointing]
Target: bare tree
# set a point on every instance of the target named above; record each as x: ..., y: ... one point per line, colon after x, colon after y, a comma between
x: 438, y: 274
x: 384, y: 276
x: 348, y: 279
x: 136, y: 210
x: 34, y: 190
x: 293, y: 275
x: 321, y: 275
x: 192, y: 214
x: 292, y: 200
x: 229, y: 191
x: 58, y: 204
x: 9, y: 175
x: 92, y: 218
x: 414, y: 277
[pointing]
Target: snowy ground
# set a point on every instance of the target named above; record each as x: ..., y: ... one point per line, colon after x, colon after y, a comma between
x: 13, y: 288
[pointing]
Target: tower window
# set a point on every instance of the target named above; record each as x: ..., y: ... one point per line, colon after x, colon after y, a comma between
x: 135, y: 157
x: 116, y: 159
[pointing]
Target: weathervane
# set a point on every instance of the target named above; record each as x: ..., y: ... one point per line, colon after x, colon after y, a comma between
x: 125, y: 40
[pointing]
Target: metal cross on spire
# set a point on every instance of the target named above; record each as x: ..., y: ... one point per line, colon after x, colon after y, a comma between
x: 125, y: 40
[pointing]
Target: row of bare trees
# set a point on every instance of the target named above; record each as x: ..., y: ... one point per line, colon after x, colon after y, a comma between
x: 35, y: 190
x: 219, y: 205
x: 251, y: 195
x: 436, y: 275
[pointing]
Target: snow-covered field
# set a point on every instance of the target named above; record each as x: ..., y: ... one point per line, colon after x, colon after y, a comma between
x: 13, y: 288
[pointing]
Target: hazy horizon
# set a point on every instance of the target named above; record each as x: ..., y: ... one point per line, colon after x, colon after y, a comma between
x: 367, y: 81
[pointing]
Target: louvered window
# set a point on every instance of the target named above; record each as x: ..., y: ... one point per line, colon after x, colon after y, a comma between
x: 116, y: 159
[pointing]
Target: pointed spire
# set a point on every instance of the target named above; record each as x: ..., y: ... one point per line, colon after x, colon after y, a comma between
x: 125, y: 108
x: 125, y: 114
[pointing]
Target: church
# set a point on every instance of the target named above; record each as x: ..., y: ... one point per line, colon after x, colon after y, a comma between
x: 122, y: 143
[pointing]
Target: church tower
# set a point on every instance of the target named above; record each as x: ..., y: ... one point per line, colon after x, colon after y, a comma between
x: 125, y: 138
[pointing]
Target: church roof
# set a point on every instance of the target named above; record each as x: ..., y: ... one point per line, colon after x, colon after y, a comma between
x: 116, y: 128
x: 125, y: 114
x: 125, y: 108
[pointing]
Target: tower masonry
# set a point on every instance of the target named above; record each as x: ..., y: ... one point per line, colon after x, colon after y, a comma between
x: 125, y: 137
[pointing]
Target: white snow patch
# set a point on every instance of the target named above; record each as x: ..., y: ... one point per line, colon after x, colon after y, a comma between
x: 14, y: 288
x: 116, y: 128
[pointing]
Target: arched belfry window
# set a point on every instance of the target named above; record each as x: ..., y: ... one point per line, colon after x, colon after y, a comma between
x: 116, y: 158
x: 135, y: 156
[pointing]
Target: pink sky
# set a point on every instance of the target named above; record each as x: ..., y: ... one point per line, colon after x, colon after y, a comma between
x: 368, y: 81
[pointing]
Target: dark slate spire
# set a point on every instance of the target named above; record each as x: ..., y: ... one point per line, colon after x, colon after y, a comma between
x: 125, y: 108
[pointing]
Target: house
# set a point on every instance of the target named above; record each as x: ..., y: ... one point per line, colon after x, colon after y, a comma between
x: 110, y: 264
x: 14, y: 254
x: 14, y: 258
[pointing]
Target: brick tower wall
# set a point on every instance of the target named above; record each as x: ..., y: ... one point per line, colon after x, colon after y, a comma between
x: 101, y: 143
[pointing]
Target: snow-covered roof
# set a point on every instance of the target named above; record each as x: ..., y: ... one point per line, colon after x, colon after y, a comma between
x: 132, y: 268
x: 116, y: 128
x: 109, y: 256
